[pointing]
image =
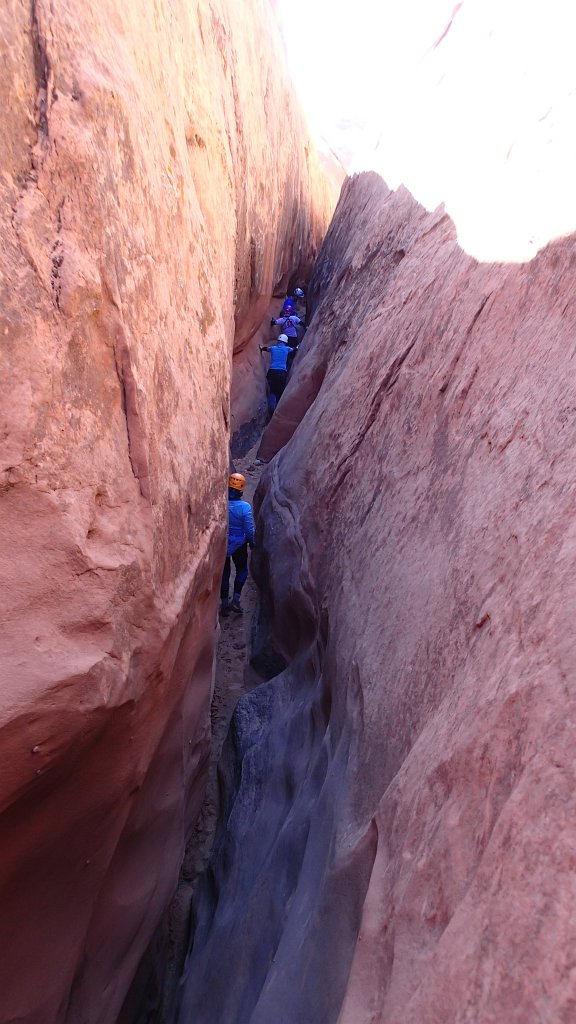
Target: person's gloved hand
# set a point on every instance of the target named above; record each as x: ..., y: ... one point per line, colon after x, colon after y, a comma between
x: 272, y: 322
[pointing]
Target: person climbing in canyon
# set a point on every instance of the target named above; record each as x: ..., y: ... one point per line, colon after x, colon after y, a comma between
x: 240, y: 538
x: 298, y: 300
x: 296, y: 297
x: 289, y: 323
x: 281, y: 355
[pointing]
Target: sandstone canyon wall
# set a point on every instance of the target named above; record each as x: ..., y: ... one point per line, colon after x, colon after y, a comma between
x: 150, y: 204
x: 399, y: 839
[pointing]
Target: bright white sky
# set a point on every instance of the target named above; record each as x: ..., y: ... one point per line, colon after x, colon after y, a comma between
x: 352, y: 60
x: 484, y: 123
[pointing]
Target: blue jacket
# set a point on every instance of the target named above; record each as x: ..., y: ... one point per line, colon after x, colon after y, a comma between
x: 279, y: 355
x: 240, y: 525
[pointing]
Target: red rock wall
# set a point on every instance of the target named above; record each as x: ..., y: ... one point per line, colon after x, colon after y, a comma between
x: 147, y: 208
x: 404, y: 817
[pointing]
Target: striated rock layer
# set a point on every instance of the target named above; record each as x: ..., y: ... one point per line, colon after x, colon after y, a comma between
x: 149, y: 204
x: 404, y: 806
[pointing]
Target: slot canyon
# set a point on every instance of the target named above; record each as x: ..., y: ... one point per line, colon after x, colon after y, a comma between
x: 356, y: 803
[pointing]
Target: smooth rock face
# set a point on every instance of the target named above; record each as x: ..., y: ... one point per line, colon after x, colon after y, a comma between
x: 417, y: 540
x: 148, y: 208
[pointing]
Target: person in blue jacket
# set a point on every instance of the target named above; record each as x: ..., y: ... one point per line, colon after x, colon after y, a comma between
x: 240, y: 537
x: 281, y: 355
x: 296, y: 297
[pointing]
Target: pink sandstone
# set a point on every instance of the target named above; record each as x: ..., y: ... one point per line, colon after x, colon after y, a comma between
x: 148, y: 211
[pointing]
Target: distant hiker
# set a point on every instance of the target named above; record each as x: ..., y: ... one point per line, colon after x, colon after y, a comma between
x: 240, y: 535
x: 281, y: 355
x: 294, y: 299
x: 289, y: 323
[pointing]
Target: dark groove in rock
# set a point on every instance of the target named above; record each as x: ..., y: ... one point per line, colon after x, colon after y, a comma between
x: 41, y: 70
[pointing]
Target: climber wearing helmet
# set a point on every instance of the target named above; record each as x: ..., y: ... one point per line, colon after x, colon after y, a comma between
x: 277, y: 376
x: 240, y: 535
x: 297, y: 300
x: 296, y: 297
x: 288, y: 321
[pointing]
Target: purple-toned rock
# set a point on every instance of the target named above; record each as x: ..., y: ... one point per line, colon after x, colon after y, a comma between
x: 417, y: 540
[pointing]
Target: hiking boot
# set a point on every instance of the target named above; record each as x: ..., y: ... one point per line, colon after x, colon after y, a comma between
x: 237, y: 607
x: 225, y: 608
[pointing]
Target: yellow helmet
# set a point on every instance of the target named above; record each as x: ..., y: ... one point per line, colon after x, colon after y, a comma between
x: 237, y: 482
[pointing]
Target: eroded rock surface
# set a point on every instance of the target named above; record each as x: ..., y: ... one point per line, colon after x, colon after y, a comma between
x: 417, y: 541
x: 148, y: 208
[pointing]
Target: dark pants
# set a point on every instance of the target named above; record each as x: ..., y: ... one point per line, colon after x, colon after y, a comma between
x: 277, y: 380
x: 240, y: 559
